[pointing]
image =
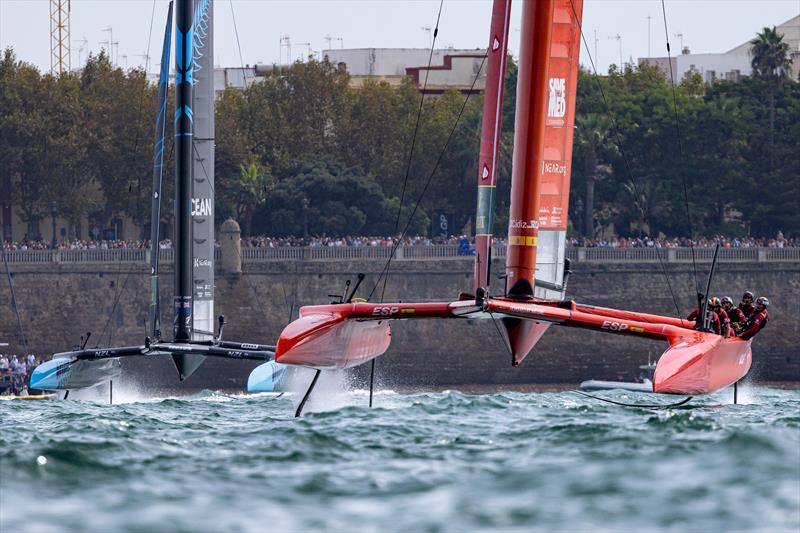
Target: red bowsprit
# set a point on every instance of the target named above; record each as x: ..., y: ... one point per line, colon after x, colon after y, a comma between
x: 701, y: 365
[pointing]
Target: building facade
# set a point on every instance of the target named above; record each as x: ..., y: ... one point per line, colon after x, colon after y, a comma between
x: 730, y: 65
x: 463, y: 70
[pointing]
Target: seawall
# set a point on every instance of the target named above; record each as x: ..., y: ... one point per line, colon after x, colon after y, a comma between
x: 60, y: 302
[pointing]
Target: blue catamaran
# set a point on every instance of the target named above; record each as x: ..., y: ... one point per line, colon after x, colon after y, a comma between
x: 193, y: 336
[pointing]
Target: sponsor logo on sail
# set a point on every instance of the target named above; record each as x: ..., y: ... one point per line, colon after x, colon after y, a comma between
x: 523, y: 224
x: 201, y: 207
x: 202, y: 262
x: 557, y: 104
x: 554, y: 167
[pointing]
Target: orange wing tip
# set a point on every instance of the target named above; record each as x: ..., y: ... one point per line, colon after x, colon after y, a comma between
x: 703, y: 365
x: 326, y: 341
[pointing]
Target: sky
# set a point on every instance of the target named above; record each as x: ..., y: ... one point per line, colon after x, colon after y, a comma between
x: 614, y: 28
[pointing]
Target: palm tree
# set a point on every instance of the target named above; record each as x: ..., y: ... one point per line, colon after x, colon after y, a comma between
x: 770, y: 55
x: 770, y: 62
x: 250, y: 191
x: 593, y: 135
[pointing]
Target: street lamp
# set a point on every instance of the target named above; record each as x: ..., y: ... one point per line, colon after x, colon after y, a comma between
x: 53, y: 218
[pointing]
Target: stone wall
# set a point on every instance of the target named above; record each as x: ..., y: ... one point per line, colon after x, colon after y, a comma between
x: 59, y: 303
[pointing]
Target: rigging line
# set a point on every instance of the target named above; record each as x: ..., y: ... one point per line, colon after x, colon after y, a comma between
x: 238, y: 253
x: 149, y: 38
x: 500, y: 333
x: 680, y: 147
x: 133, y: 157
x: 642, y: 405
x: 125, y: 281
x: 618, y: 135
x: 239, y: 44
x: 419, y: 115
x: 144, y: 89
x: 430, y: 176
x: 669, y: 285
x: 414, y: 135
x: 114, y: 306
x: 14, y: 299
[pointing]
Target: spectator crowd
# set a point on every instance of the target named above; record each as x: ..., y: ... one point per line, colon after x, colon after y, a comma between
x: 779, y: 241
x: 15, y: 372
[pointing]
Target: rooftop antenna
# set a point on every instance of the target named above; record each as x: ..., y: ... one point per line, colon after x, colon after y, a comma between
x: 596, y: 40
x: 328, y: 40
x: 146, y: 58
x: 648, y: 34
x: 680, y: 36
x: 110, y: 44
x: 430, y: 35
x: 341, y: 42
x: 83, y: 43
x: 618, y: 38
x: 286, y: 42
x: 308, y: 49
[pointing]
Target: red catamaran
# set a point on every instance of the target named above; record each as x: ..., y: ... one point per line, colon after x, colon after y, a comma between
x: 344, y: 335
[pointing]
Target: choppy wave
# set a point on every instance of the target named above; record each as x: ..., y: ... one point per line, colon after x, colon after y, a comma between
x: 427, y: 461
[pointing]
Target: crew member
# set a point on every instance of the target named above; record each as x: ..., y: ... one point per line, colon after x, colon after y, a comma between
x: 735, y: 315
x: 725, y: 323
x: 715, y: 322
x: 746, y: 306
x: 757, y: 320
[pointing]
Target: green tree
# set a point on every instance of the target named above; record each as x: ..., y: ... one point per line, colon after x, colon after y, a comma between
x: 595, y: 139
x: 248, y: 192
x: 771, y: 63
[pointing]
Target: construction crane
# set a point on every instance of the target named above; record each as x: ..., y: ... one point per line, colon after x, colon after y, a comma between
x: 59, y: 36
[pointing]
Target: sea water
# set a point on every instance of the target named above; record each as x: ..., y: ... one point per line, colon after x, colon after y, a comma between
x: 428, y: 461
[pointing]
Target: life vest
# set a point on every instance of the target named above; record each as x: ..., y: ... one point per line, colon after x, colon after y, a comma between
x: 755, y: 323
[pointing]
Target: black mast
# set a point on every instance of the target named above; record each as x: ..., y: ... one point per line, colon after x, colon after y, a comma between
x: 182, y: 327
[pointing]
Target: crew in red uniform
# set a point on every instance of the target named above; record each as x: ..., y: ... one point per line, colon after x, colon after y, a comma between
x: 735, y: 315
x: 746, y: 306
x: 757, y: 320
x: 715, y: 322
x: 725, y: 323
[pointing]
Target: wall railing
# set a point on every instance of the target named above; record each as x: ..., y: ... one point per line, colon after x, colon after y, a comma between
x: 414, y: 253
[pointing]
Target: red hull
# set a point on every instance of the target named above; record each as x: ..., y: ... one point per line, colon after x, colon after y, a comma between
x: 345, y: 335
x: 329, y: 337
x: 710, y: 364
x: 327, y: 341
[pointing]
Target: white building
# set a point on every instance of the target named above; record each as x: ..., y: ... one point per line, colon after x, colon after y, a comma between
x: 450, y: 68
x: 730, y: 65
